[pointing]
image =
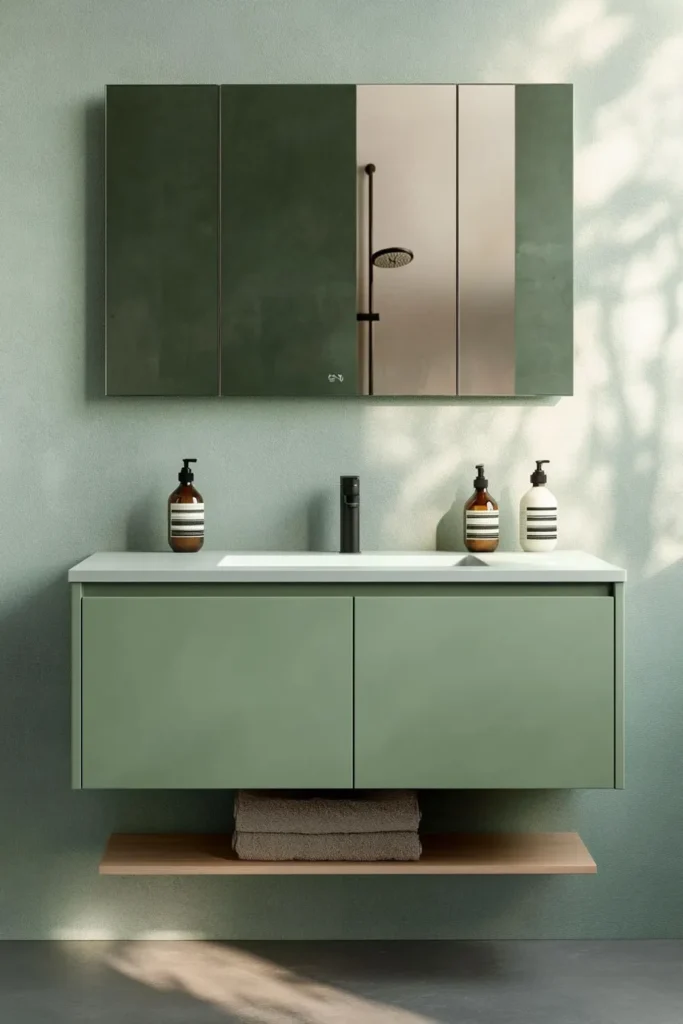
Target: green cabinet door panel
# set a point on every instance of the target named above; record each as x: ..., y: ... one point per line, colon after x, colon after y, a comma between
x: 544, y: 293
x: 288, y: 240
x: 162, y: 228
x: 494, y: 692
x: 226, y: 692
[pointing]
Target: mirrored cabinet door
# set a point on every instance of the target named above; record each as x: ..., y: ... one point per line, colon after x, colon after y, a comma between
x: 486, y: 240
x: 408, y: 132
x: 288, y: 240
x: 515, y: 244
x: 544, y: 240
x: 162, y: 240
x: 475, y: 181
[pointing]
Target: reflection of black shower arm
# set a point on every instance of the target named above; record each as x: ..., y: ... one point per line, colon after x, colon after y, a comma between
x: 394, y: 256
x: 370, y: 317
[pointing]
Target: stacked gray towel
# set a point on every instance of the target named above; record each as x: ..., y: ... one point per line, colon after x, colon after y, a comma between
x: 366, y: 826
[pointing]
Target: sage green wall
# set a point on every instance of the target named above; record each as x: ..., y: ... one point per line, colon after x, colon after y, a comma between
x: 81, y: 473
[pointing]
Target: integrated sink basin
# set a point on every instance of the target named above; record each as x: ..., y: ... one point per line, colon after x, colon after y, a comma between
x: 371, y: 560
x: 332, y: 560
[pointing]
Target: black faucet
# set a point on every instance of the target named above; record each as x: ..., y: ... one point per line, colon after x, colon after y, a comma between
x: 349, y: 515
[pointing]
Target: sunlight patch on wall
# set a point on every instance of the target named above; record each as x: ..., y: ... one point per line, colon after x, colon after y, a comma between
x: 605, y: 166
x: 584, y: 31
x: 82, y: 932
x: 666, y: 476
x: 651, y: 269
x: 642, y: 222
x: 591, y: 362
x: 580, y: 33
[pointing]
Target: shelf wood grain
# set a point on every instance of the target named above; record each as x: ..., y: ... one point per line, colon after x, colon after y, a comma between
x: 544, y: 853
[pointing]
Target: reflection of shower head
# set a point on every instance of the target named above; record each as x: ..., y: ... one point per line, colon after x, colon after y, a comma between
x: 394, y: 257
x: 385, y: 259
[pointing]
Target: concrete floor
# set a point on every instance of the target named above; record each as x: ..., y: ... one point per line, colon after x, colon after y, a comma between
x: 341, y: 983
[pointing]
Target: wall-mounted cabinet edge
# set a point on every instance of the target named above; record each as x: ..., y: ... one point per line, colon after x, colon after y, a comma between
x: 619, y: 686
x: 76, y: 687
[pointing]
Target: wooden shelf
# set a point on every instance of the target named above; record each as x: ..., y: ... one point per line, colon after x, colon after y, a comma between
x: 545, y: 853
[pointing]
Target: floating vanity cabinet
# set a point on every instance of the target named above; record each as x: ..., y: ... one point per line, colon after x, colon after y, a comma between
x: 485, y: 691
x: 288, y: 240
x: 162, y: 240
x: 216, y: 691
x: 272, y: 684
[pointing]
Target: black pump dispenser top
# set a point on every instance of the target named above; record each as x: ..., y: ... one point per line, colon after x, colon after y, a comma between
x: 480, y: 483
x: 539, y: 475
x: 186, y: 476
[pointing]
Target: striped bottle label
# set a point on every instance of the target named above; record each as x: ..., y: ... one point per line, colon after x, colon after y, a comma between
x: 482, y: 525
x: 540, y: 523
x: 186, y: 519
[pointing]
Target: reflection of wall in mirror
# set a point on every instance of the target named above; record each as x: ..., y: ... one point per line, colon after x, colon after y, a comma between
x: 486, y: 239
x: 409, y: 133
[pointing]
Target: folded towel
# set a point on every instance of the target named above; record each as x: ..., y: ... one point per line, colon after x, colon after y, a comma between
x: 381, y: 811
x: 365, y: 846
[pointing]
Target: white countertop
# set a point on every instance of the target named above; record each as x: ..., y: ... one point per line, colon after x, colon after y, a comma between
x: 329, y: 567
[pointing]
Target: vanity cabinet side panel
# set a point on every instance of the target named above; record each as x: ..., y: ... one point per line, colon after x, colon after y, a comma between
x: 162, y: 240
x: 76, y: 687
x: 288, y: 240
x: 486, y: 693
x: 544, y: 203
x: 619, y: 687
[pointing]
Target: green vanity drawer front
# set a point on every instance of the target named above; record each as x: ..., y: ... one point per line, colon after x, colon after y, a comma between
x: 487, y: 692
x: 288, y: 240
x: 162, y: 240
x: 228, y: 692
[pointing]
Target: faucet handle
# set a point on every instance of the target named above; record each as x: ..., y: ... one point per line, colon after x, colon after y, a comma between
x: 349, y: 486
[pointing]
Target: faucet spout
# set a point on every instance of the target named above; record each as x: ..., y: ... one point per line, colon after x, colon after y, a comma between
x: 349, y: 515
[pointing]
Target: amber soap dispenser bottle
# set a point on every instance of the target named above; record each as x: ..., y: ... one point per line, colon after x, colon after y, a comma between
x: 186, y: 513
x: 482, y: 525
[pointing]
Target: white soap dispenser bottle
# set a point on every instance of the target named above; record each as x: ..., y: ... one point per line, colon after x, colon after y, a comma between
x: 538, y: 514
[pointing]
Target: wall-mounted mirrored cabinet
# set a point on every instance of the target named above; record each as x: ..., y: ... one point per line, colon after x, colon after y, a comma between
x: 339, y: 240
